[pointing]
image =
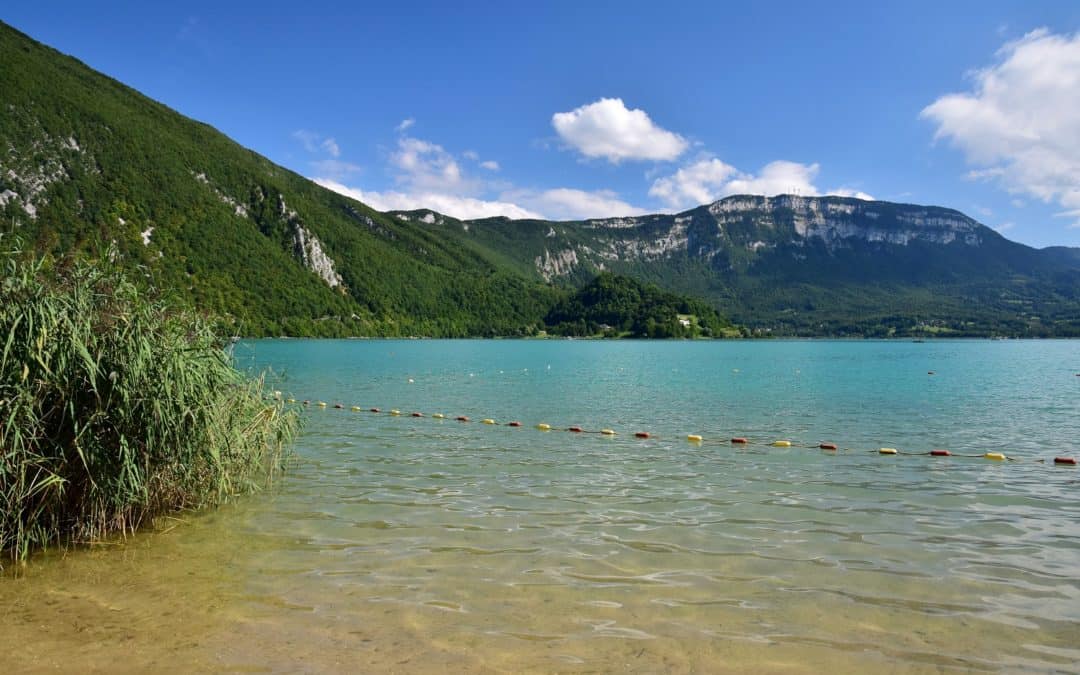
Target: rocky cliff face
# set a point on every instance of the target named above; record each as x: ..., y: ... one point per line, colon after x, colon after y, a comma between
x: 835, y: 220
x: 28, y: 170
x: 749, y: 226
x: 309, y: 251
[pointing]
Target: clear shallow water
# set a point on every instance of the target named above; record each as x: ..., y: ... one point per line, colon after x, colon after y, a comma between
x: 420, y: 544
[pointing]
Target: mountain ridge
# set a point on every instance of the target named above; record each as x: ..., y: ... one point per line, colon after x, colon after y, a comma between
x: 754, y: 256
x: 87, y: 161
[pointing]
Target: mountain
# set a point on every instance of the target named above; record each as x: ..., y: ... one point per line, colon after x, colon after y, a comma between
x: 92, y: 168
x: 1063, y: 255
x: 86, y: 162
x: 809, y: 265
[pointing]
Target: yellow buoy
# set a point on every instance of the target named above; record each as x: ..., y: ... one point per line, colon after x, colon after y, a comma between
x: 290, y: 400
x: 439, y: 416
x: 488, y: 421
x: 887, y: 451
x: 693, y: 438
x: 321, y: 404
x: 994, y: 455
x: 355, y: 408
x: 781, y: 444
x: 608, y: 432
x: 395, y: 412
x: 543, y: 427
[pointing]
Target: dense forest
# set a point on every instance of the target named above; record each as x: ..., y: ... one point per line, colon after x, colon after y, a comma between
x: 88, y: 164
x: 617, y: 306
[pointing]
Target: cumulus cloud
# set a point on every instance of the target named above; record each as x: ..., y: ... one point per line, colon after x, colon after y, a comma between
x: 1019, y: 125
x: 710, y: 179
x: 457, y: 206
x: 697, y: 183
x: 427, y: 176
x: 608, y: 129
x: 428, y: 167
x: 572, y: 204
x: 404, y: 124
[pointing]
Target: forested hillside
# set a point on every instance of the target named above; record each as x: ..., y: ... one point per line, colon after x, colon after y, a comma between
x: 88, y: 165
x: 618, y: 306
x: 791, y: 265
x: 87, y: 162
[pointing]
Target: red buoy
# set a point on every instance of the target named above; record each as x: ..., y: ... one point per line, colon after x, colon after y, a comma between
x: 462, y: 418
x: 828, y: 446
x: 641, y: 434
x: 513, y: 424
x: 940, y: 453
x: 576, y: 430
x: 1065, y: 460
x: 375, y: 410
x: 739, y: 440
x: 416, y: 414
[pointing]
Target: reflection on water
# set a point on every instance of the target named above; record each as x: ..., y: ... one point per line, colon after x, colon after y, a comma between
x: 408, y: 544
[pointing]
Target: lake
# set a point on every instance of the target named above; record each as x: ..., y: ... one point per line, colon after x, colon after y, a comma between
x: 412, y: 544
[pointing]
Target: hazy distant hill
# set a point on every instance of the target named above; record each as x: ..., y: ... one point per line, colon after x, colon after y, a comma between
x: 85, y: 161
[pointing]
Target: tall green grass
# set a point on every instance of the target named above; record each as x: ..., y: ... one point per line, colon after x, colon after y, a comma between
x: 115, y: 408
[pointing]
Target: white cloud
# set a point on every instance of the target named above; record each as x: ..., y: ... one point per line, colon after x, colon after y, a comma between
x: 848, y: 192
x: 452, y: 205
x: 608, y: 129
x: 698, y: 183
x: 404, y: 124
x: 1020, y: 123
x: 309, y: 139
x: 331, y: 147
x: 1005, y: 227
x: 572, y: 204
x: 470, y: 154
x: 427, y: 176
x: 335, y: 168
x: 710, y: 179
x: 316, y: 143
x: 428, y: 167
x: 779, y: 177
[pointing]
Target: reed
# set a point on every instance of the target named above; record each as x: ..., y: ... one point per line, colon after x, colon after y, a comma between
x: 116, y: 408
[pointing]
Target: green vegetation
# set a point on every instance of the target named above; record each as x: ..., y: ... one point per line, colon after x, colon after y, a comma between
x: 87, y: 162
x: 756, y: 269
x: 115, y: 408
x: 617, y: 306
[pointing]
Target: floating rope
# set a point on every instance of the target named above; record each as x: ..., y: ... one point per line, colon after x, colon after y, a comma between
x: 698, y: 439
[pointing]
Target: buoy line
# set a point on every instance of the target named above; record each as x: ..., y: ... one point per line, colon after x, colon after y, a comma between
x: 694, y: 439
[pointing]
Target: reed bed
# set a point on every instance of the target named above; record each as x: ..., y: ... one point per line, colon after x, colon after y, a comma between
x: 116, y: 408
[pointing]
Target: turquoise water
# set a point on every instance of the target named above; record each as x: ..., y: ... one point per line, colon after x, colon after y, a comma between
x: 415, y: 544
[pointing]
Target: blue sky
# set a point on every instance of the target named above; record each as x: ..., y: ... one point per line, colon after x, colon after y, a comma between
x: 593, y: 109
